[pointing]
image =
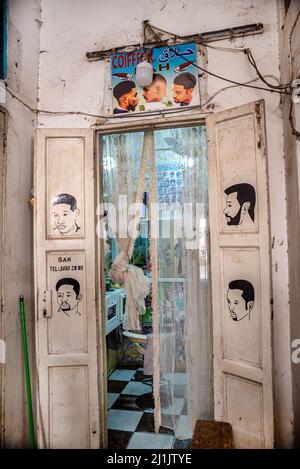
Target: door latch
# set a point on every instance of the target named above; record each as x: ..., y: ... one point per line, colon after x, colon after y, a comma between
x: 45, y: 304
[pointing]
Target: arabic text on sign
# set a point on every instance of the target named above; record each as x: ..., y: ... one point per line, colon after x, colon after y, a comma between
x: 171, y: 53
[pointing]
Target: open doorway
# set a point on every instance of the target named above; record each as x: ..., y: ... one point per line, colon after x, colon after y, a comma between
x: 73, y: 363
x: 185, y: 358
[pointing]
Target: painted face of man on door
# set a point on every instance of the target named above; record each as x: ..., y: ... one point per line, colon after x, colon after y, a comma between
x: 240, y: 205
x: 64, y: 214
x: 240, y: 299
x: 232, y: 210
x: 68, y: 295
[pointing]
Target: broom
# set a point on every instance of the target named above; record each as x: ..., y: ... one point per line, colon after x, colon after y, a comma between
x: 27, y: 374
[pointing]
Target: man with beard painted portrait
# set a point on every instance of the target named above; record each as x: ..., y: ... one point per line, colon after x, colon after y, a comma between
x: 125, y: 93
x: 240, y: 205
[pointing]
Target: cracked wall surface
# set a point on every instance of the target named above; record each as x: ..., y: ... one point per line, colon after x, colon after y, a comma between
x: 22, y: 80
x: 68, y: 82
x: 51, y: 61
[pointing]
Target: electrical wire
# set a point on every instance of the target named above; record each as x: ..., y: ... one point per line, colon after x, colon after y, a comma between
x: 251, y: 60
x: 294, y: 131
x: 231, y: 86
x: 246, y: 51
x: 148, y: 114
x: 253, y: 63
x: 62, y: 113
x: 177, y: 36
x: 56, y: 113
x: 223, y: 49
x: 280, y: 88
x: 236, y: 82
x: 273, y: 90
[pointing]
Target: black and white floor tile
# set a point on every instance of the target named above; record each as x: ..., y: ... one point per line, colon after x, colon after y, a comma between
x: 131, y: 427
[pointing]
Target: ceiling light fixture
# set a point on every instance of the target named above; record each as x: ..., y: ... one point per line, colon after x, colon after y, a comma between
x: 144, y: 72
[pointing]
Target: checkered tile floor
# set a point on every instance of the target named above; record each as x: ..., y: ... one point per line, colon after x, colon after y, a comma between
x: 131, y: 427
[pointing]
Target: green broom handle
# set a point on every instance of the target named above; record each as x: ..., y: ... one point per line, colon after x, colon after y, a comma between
x: 27, y: 374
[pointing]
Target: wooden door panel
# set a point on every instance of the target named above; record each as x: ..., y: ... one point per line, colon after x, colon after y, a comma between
x: 66, y: 317
x: 241, y: 273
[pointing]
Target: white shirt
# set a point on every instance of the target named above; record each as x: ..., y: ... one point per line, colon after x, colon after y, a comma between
x: 157, y: 106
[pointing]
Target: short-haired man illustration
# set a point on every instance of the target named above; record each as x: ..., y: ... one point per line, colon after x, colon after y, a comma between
x: 64, y: 214
x: 183, y: 88
x: 240, y: 299
x: 155, y: 93
x: 68, y: 296
x: 125, y: 93
x: 240, y: 205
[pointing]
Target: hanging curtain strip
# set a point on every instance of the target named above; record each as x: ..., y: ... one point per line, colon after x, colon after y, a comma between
x: 122, y: 181
x: 122, y: 166
x: 148, y: 149
x: 154, y: 269
x: 140, y: 189
x: 133, y: 312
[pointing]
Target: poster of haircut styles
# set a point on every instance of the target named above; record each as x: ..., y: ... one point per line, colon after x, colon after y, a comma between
x: 169, y: 186
x: 175, y: 80
x: 65, y: 189
x: 67, y: 330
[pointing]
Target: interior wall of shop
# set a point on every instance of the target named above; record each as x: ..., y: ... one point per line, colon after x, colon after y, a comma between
x: 68, y: 82
x: 22, y: 80
x: 290, y: 70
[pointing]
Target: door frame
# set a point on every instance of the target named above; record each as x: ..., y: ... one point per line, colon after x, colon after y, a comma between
x: 112, y: 127
x: 2, y: 234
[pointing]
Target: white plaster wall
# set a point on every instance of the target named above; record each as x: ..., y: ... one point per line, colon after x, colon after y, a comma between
x: 23, y: 53
x: 68, y: 82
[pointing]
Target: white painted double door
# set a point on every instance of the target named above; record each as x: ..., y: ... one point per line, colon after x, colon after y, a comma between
x: 71, y: 399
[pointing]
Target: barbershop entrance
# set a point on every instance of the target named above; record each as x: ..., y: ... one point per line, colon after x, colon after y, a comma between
x: 197, y: 297
x: 175, y: 176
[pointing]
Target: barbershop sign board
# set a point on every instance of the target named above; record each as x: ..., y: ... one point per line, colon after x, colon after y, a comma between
x: 175, y: 83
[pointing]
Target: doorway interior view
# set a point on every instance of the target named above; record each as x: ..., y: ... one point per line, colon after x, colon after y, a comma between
x: 179, y: 170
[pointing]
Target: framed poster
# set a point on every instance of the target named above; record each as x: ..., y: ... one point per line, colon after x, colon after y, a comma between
x: 169, y: 186
x: 175, y: 80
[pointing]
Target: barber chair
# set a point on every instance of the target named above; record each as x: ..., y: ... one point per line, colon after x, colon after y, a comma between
x: 145, y: 401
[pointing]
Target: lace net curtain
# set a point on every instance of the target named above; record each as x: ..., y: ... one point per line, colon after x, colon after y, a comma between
x: 124, y: 173
x: 184, y: 339
x: 184, y: 307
